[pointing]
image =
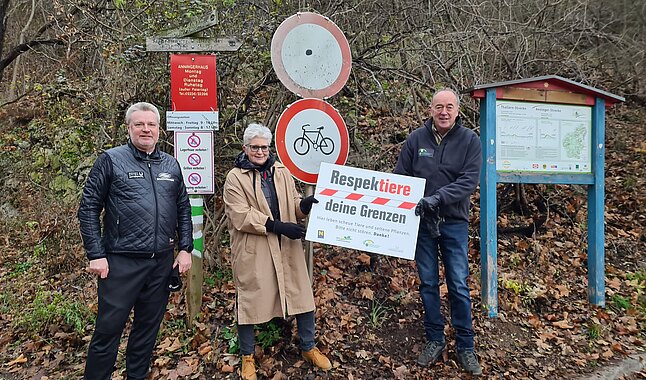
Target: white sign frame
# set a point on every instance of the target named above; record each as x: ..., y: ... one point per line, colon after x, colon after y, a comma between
x: 194, y: 169
x: 354, y: 208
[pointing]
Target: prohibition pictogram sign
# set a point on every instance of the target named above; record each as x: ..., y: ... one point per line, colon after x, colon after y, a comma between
x: 194, y: 153
x: 194, y: 159
x: 194, y: 179
x: 310, y: 132
x: 311, y: 56
x: 194, y: 140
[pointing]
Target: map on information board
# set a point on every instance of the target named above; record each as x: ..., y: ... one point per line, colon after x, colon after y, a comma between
x: 543, y: 137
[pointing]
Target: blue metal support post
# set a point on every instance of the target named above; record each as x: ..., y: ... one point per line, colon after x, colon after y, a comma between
x: 488, y: 206
x: 596, y: 195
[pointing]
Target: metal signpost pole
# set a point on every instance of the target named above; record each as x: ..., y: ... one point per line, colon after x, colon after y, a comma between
x: 309, y: 248
x: 596, y: 195
x: 488, y: 206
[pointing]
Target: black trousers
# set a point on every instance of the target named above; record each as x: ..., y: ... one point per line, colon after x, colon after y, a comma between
x: 136, y: 283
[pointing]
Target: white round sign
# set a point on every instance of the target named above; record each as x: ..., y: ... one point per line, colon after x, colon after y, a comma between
x: 311, y: 56
x: 309, y: 132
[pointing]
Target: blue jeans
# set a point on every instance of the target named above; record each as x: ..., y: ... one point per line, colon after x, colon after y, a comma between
x: 453, y: 247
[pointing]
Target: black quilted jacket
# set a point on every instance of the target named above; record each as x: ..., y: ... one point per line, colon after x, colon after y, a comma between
x: 147, y: 211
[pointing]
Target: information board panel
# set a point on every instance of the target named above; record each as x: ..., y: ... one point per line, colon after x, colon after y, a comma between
x: 542, y: 137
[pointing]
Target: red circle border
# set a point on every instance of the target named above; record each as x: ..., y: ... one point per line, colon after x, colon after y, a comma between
x: 281, y: 129
x: 277, y: 45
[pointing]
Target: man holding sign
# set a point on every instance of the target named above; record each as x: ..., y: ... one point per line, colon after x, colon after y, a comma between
x: 448, y: 156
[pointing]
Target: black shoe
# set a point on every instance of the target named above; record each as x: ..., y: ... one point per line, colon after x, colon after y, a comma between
x: 431, y: 353
x: 469, y: 362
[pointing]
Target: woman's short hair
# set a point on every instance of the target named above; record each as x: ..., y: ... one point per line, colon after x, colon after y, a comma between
x: 255, y: 130
x: 141, y: 106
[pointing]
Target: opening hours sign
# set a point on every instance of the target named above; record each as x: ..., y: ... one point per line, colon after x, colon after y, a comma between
x: 193, y: 93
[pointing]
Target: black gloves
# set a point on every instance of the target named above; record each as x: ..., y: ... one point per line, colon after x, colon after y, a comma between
x: 291, y: 230
x: 432, y: 221
x: 428, y: 209
x: 306, y: 204
x: 427, y: 204
x: 174, y: 281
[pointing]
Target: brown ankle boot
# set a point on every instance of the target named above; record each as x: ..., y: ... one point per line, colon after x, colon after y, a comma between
x: 315, y: 357
x: 248, y: 368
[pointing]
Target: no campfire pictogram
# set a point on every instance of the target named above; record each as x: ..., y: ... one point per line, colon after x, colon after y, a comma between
x: 194, y: 159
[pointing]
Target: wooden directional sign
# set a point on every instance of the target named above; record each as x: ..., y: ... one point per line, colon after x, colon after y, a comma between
x: 209, y: 20
x: 192, y: 44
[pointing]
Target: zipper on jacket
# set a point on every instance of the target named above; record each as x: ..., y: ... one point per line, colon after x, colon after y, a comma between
x: 152, y: 181
x: 443, y: 149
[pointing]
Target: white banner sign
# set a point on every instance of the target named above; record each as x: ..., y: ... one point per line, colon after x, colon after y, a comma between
x: 366, y: 210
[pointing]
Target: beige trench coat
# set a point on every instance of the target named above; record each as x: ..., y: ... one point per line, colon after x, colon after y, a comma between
x: 270, y: 281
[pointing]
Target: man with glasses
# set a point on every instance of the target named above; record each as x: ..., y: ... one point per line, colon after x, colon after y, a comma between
x: 147, y: 215
x: 448, y: 156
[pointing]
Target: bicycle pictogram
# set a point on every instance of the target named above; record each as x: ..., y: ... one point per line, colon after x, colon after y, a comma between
x: 302, y: 144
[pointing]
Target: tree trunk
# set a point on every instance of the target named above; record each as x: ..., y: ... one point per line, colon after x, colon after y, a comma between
x: 4, y: 5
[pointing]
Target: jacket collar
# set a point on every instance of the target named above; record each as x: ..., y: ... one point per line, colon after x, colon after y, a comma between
x: 458, y: 124
x: 155, y: 155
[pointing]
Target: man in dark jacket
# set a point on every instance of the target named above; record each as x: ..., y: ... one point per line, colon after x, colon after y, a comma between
x: 147, y: 214
x: 448, y: 155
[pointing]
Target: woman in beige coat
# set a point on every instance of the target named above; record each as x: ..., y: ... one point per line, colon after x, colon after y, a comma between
x: 269, y: 270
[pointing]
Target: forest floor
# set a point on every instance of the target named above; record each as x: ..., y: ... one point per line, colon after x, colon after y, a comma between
x: 369, y: 314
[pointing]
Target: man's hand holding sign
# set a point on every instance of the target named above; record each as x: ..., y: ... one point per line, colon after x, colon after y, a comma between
x: 366, y: 210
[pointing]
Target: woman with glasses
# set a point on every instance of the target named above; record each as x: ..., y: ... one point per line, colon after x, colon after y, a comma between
x: 269, y: 270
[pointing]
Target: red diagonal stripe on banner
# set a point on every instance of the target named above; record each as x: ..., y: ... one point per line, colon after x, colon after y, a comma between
x: 354, y: 196
x: 328, y: 192
x: 407, y: 205
x: 380, y: 201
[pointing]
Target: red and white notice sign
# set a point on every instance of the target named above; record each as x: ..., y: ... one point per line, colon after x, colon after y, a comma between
x: 193, y: 93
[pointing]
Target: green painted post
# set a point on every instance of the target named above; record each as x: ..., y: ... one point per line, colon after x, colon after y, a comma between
x: 196, y: 274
